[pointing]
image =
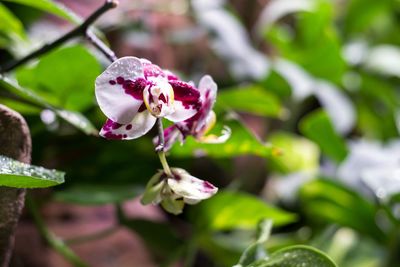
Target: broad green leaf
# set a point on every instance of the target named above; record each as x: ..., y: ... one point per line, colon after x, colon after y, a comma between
x: 241, y: 142
x: 49, y: 6
x: 312, y: 38
x: 252, y: 99
x: 298, y: 153
x: 362, y: 15
x: 318, y: 127
x: 10, y: 25
x: 88, y: 194
x: 256, y: 251
x: 71, y: 85
x: 17, y: 174
x: 74, y: 118
x: 229, y: 210
x: 295, y: 256
x: 332, y: 202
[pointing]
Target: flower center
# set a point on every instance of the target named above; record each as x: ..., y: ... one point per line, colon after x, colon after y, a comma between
x: 159, y: 97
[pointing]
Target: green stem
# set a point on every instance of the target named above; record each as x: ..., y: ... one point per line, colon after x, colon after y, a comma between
x: 52, y: 240
x: 160, y: 148
x: 164, y: 163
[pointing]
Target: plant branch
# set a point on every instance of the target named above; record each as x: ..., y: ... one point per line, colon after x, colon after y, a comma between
x: 102, y: 47
x: 161, y: 140
x: 81, y: 30
x: 160, y: 147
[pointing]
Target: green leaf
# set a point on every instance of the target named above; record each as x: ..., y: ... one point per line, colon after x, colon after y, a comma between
x: 17, y: 174
x: 318, y: 127
x: 72, y: 84
x: 334, y: 203
x: 295, y: 256
x: 251, y: 99
x: 88, y: 194
x: 241, y: 142
x: 298, y: 153
x: 229, y: 210
x: 74, y: 118
x: 10, y: 25
x: 362, y: 15
x: 312, y: 38
x: 50, y: 7
x: 256, y: 250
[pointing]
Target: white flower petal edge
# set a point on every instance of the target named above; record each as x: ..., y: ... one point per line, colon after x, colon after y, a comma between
x: 214, y: 139
x: 190, y: 187
x: 181, y: 113
x: 139, y: 126
x: 207, y: 83
x: 112, y: 99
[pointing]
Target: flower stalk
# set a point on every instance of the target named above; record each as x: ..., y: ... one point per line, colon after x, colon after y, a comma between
x: 160, y: 148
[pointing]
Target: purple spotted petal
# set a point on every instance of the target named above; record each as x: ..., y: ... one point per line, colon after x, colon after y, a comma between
x: 207, y: 84
x: 119, y: 89
x: 187, y: 101
x: 185, y: 93
x: 140, y: 125
x: 189, y: 187
x: 182, y: 112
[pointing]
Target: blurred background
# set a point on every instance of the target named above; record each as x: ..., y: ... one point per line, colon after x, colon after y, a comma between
x: 310, y: 89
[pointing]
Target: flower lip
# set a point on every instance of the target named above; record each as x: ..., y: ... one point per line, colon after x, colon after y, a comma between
x: 159, y: 98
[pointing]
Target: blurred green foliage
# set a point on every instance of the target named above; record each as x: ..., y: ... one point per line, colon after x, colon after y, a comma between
x: 286, y: 52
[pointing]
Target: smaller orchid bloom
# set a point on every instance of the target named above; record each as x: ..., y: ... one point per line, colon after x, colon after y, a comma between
x: 176, y: 189
x: 133, y: 93
x: 201, y: 123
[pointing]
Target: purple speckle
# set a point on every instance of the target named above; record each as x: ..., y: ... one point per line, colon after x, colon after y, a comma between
x: 111, y: 136
x: 128, y: 127
x: 112, y: 82
x: 162, y: 98
x: 111, y: 125
x: 135, y: 88
x: 142, y: 107
x: 185, y: 92
x: 208, y: 187
x: 120, y: 80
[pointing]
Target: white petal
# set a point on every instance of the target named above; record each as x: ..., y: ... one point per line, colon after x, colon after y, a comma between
x: 207, y: 83
x: 214, y: 139
x: 190, y: 187
x: 140, y: 125
x: 112, y: 99
x: 181, y: 112
x: 339, y: 107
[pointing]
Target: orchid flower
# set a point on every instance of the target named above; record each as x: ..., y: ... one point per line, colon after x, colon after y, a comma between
x: 133, y: 93
x: 202, y: 122
x: 176, y: 189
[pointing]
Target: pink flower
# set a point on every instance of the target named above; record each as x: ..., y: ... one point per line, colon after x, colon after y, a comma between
x: 133, y: 93
x: 202, y: 122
